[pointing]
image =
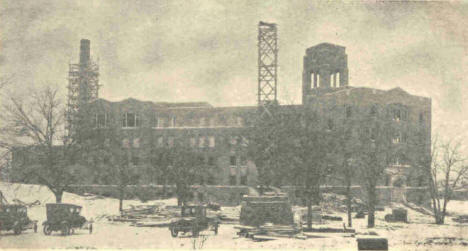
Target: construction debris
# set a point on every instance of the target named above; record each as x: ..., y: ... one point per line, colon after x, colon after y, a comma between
x: 360, y: 215
x: 445, y: 241
x: 461, y: 218
x: 267, y: 231
x: 230, y: 215
x: 332, y: 202
x: 158, y: 215
x: 143, y: 215
x: 329, y: 230
x: 19, y: 202
x: 419, y: 209
x: 332, y: 218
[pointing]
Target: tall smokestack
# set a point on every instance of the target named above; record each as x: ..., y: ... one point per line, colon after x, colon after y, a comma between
x: 84, y: 51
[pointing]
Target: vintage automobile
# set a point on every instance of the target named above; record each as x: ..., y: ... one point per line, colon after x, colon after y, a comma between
x: 15, y: 217
x: 193, y: 219
x: 65, y: 218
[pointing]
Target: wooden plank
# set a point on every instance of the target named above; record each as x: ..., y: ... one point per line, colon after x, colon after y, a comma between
x: 244, y: 227
x: 264, y: 237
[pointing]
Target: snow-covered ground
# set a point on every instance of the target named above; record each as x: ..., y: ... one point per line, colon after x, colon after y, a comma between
x: 106, y: 234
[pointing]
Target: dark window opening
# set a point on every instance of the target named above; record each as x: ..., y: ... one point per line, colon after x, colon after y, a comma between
x: 106, y: 160
x: 233, y: 161
x: 243, y: 161
x: 348, y: 134
x: 397, y: 115
x: 243, y: 180
x: 330, y: 124
x: 200, y: 197
x: 373, y: 110
x: 222, y: 120
x: 232, y: 180
x: 135, y: 160
x: 101, y: 120
x: 373, y: 133
x: 348, y: 111
x: 400, y: 114
x: 211, y: 161
x: 130, y: 120
x: 211, y: 180
x: 201, y: 160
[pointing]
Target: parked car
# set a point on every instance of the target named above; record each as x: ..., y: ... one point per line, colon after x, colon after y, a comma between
x: 193, y: 219
x: 65, y: 218
x: 15, y: 217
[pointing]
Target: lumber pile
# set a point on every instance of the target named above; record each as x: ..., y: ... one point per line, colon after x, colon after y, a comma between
x: 157, y: 215
x: 329, y: 230
x: 267, y: 231
x: 143, y: 215
x: 229, y: 214
x: 332, y: 218
x: 278, y: 230
x: 461, y: 218
x: 19, y: 202
x: 419, y: 209
x: 273, y: 232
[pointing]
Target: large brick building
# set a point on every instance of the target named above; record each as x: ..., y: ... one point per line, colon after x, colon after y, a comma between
x: 218, y: 132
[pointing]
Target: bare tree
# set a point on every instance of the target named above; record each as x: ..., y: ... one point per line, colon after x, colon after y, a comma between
x: 293, y: 146
x: 345, y: 164
x: 33, y: 128
x: 186, y: 168
x: 109, y: 159
x: 446, y: 171
x: 263, y: 146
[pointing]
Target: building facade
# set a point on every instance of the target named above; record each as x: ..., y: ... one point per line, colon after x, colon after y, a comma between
x: 219, y: 133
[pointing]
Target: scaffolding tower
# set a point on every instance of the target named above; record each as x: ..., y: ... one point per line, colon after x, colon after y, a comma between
x: 267, y: 65
x: 83, y: 86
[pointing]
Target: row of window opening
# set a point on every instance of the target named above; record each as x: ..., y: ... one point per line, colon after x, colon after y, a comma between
x: 133, y: 120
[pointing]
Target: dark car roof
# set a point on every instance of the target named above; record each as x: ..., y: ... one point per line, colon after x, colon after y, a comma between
x: 61, y: 205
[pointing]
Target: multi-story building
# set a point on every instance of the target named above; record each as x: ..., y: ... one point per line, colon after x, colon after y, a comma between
x: 219, y: 132
x: 216, y: 132
x: 409, y: 115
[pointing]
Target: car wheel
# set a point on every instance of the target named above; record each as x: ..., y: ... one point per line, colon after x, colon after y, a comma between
x: 65, y: 229
x: 46, y: 229
x: 174, y: 232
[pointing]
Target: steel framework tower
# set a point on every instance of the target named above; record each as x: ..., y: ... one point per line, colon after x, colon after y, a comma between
x: 83, y: 85
x: 267, y: 64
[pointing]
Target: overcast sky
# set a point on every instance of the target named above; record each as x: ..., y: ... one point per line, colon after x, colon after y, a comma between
x: 206, y: 50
